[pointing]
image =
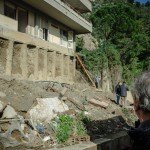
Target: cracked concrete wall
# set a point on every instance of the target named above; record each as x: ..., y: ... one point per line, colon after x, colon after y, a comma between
x: 30, y: 62
x: 3, y: 55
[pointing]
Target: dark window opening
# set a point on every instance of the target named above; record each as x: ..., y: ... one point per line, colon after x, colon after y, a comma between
x: 10, y: 10
x: 45, y: 34
x: 22, y: 20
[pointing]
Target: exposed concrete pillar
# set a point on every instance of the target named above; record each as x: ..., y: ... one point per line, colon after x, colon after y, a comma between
x: 74, y: 72
x: 68, y: 66
x: 9, y: 52
x: 36, y: 64
x: 45, y: 65
x: 62, y: 65
x: 23, y: 63
x: 54, y: 64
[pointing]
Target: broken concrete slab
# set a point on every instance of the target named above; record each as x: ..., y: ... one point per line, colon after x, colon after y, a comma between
x: 7, y: 139
x: 9, y: 112
x: 98, y: 103
x: 46, y: 109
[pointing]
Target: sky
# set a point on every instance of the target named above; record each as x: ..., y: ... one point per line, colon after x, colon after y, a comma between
x: 142, y: 1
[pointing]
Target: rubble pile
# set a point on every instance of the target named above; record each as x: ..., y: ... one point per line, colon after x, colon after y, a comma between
x: 16, y: 130
x: 41, y: 126
x: 30, y: 113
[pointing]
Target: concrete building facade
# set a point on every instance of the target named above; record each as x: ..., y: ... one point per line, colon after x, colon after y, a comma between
x: 37, y: 38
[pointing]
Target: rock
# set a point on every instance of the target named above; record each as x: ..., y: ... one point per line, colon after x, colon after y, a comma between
x: 9, y: 112
x: 2, y: 95
x: 2, y: 106
x: 46, y: 109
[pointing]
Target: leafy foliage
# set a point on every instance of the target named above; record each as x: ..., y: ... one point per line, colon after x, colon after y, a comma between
x: 122, y: 29
x: 65, y: 128
x: 68, y: 126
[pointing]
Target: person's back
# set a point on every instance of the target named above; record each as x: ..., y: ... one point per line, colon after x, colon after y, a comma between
x: 124, y: 90
x: 118, y: 89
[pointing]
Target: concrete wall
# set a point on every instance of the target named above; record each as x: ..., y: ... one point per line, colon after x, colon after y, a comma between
x: 31, y: 62
x: 8, y: 23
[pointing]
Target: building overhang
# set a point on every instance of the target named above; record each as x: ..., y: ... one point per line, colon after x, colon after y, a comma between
x: 83, y: 6
x: 63, y: 14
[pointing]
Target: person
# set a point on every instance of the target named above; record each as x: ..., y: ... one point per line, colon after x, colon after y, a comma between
x: 118, y: 92
x: 141, y: 95
x: 124, y: 90
x: 97, y: 82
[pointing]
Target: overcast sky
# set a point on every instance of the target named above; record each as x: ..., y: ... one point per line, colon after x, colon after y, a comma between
x: 142, y: 1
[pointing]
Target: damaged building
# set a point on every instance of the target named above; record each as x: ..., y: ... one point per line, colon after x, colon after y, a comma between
x: 37, y: 38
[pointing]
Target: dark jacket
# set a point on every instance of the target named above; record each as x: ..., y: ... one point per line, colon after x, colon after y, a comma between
x: 118, y: 89
x: 141, y: 136
x: 124, y: 89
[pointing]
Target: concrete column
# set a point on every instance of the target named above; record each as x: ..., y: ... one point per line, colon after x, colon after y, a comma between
x: 45, y: 65
x: 68, y: 66
x: 36, y: 64
x: 74, y: 72
x: 54, y: 64
x: 62, y: 65
x: 23, y: 63
x: 9, y: 52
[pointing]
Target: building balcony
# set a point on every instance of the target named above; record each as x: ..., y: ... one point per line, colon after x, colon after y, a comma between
x: 61, y: 12
x: 82, y: 6
x: 8, y: 23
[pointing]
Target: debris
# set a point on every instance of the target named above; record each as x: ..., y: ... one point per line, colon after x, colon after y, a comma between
x: 83, y: 90
x: 78, y: 105
x: 40, y: 128
x: 62, y: 93
x: 2, y: 106
x: 98, y: 103
x: 46, y: 109
x: 103, y: 100
x: 6, y: 138
x: 9, y: 112
x: 46, y: 138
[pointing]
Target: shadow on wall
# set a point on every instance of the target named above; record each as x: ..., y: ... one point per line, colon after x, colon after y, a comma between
x: 108, y: 134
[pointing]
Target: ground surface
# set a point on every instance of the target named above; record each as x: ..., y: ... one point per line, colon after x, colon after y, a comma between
x: 102, y: 122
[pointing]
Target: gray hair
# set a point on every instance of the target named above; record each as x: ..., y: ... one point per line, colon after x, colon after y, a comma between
x: 141, y: 91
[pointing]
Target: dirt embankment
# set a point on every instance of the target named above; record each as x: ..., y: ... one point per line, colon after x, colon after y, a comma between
x: 102, y: 121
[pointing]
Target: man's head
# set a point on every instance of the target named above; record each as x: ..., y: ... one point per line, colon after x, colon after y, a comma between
x: 119, y: 83
x: 141, y: 96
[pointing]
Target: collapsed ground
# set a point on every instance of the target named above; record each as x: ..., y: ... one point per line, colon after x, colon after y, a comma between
x: 21, y: 95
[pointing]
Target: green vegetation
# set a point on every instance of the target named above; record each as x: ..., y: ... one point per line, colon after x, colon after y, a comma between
x: 122, y: 29
x: 68, y: 126
x: 65, y: 128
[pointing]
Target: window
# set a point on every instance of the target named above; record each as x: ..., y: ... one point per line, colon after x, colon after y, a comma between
x: 64, y: 38
x: 45, y: 34
x: 10, y: 10
x: 70, y: 39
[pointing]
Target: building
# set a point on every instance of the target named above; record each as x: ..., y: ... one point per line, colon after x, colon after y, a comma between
x: 37, y: 38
